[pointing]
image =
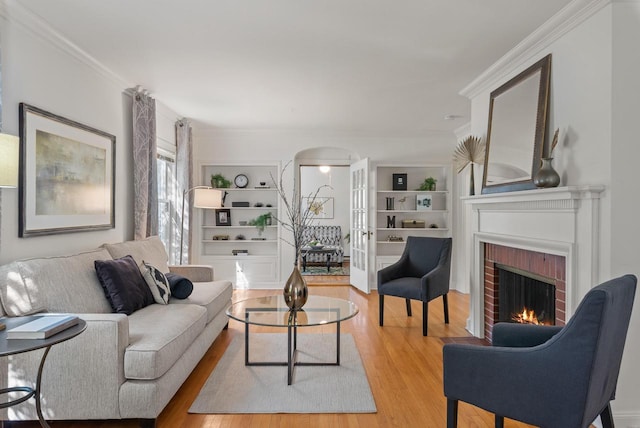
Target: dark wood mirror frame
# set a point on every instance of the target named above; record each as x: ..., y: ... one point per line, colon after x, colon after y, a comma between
x: 508, y: 109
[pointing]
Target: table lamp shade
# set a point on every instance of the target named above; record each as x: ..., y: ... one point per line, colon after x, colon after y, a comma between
x: 9, y: 160
x: 207, y: 198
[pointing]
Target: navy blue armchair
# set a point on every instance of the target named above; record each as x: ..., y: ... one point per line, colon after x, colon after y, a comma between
x: 550, y: 377
x: 422, y: 273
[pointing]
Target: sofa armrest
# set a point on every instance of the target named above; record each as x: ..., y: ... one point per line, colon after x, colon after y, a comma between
x: 73, y: 369
x: 196, y: 273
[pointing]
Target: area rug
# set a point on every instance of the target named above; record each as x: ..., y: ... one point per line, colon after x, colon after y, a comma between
x: 236, y: 388
x: 322, y: 270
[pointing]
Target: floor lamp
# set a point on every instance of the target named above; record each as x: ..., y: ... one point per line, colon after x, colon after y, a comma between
x: 9, y: 160
x: 203, y: 197
x: 8, y: 165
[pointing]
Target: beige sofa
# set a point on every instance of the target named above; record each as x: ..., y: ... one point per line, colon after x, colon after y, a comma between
x: 121, y: 367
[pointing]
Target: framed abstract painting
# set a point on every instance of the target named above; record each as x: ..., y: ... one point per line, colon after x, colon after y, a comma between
x: 67, y: 175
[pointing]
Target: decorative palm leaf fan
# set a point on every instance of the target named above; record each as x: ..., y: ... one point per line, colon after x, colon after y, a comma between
x: 469, y: 151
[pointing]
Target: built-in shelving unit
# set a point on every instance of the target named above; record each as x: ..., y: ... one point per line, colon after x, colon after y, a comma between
x: 429, y: 209
x: 256, y: 259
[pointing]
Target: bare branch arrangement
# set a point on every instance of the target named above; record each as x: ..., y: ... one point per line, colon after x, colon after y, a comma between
x: 297, y: 217
x: 554, y: 143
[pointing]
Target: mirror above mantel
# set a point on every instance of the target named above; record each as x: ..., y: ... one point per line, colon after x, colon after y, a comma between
x: 516, y: 130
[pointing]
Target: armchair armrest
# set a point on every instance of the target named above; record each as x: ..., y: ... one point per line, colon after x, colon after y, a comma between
x: 196, y: 273
x: 392, y: 271
x: 436, y: 282
x: 522, y: 335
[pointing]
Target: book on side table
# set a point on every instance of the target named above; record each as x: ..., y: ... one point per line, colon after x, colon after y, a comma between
x: 42, y: 327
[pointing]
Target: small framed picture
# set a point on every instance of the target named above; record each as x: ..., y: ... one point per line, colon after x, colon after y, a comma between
x: 223, y: 217
x: 424, y: 202
x: 399, y: 181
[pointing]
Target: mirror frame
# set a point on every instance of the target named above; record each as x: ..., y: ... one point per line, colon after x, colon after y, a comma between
x: 544, y: 67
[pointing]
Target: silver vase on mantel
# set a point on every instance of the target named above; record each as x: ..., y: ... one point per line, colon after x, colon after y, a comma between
x: 546, y: 175
x: 295, y: 290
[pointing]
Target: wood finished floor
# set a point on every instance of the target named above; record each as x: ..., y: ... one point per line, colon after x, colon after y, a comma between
x: 403, y: 367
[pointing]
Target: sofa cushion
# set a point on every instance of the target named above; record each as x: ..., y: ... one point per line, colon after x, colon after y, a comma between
x: 123, y: 284
x: 56, y: 284
x: 181, y: 287
x: 158, y: 336
x: 157, y: 282
x: 215, y: 296
x: 150, y: 250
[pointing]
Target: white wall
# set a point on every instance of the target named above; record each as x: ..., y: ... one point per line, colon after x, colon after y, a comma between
x: 594, y: 102
x: 37, y: 73
x: 624, y: 237
x: 60, y: 80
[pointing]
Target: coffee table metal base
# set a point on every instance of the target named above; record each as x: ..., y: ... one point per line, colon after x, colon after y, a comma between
x: 292, y: 347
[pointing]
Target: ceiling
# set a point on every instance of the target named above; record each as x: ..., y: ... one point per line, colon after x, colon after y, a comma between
x: 374, y: 66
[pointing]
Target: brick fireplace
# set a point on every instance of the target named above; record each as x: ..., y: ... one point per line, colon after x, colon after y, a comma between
x: 552, y: 233
x: 549, y: 266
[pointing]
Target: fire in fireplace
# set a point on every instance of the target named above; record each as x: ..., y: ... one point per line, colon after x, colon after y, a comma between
x: 525, y: 297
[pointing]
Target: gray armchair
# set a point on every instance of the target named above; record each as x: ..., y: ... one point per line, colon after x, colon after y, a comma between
x: 547, y: 376
x: 422, y: 273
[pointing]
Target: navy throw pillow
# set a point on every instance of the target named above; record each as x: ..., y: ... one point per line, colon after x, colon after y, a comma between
x: 181, y: 287
x: 123, y: 284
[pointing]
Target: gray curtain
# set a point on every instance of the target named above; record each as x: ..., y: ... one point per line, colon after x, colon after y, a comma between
x: 184, y: 178
x: 145, y: 187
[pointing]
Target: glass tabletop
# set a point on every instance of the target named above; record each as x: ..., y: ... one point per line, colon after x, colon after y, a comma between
x: 273, y: 311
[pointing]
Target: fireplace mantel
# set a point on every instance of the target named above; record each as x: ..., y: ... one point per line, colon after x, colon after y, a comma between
x: 562, y: 221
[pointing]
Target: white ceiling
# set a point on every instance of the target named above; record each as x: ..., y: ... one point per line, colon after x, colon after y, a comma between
x: 375, y: 66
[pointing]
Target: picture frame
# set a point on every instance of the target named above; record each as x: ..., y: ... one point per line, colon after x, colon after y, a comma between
x: 424, y: 202
x: 320, y: 207
x: 67, y: 175
x: 223, y: 217
x: 400, y: 181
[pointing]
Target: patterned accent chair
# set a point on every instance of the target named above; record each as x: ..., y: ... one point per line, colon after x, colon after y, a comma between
x: 328, y: 236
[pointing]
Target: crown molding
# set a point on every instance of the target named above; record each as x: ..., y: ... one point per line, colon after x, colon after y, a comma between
x: 572, y: 15
x: 17, y: 14
x: 463, y: 131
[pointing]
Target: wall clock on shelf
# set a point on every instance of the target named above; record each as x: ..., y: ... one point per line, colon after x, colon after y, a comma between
x: 241, y: 181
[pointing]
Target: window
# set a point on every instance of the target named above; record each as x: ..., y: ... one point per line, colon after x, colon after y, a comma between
x: 168, y: 216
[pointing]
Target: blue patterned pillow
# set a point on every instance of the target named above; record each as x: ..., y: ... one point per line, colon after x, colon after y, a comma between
x: 157, y: 283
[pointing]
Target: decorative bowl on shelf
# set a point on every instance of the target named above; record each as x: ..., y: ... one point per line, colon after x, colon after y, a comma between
x: 317, y: 247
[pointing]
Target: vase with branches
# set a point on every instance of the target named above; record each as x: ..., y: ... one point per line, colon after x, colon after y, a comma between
x: 295, y: 219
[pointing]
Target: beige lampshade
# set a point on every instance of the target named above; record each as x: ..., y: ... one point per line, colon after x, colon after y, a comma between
x: 207, y: 198
x: 9, y: 160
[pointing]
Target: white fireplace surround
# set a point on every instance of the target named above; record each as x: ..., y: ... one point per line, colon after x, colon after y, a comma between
x: 561, y: 221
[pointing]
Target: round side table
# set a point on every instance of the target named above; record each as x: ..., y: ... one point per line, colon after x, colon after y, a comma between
x: 18, y: 346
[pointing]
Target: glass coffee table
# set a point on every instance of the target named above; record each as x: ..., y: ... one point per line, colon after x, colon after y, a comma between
x: 272, y: 311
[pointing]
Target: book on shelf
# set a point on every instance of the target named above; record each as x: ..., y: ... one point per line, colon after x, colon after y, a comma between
x: 42, y: 327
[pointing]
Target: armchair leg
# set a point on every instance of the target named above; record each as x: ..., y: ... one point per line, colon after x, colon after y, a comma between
x: 452, y: 413
x: 381, y: 300
x: 606, y: 417
x: 445, y: 302
x: 425, y: 317
x: 408, y: 302
x: 499, y: 421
